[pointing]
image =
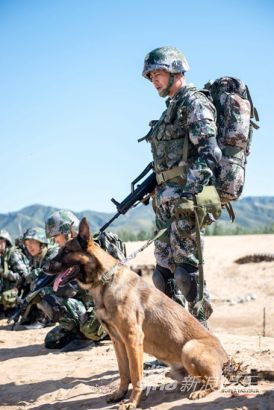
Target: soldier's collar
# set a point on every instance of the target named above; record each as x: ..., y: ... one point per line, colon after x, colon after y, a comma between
x: 180, y: 93
x: 177, y: 95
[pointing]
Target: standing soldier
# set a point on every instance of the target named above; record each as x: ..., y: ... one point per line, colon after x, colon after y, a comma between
x: 13, y: 269
x: 185, y: 155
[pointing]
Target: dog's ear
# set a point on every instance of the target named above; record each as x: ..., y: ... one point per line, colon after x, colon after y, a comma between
x: 84, y: 233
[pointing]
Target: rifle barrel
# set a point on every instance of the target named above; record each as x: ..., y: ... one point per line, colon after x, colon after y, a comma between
x: 109, y: 222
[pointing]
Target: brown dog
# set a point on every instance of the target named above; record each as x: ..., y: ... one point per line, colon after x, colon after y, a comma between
x: 138, y: 318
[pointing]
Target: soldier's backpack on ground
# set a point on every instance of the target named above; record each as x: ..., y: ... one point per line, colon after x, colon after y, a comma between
x: 235, y: 113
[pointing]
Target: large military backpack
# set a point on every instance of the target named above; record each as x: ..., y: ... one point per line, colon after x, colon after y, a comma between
x: 235, y: 113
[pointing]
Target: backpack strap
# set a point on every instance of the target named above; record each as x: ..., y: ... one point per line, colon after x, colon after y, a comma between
x: 6, y: 258
x: 230, y: 211
x: 254, y: 112
x: 254, y: 125
x: 200, y: 255
x: 185, y: 149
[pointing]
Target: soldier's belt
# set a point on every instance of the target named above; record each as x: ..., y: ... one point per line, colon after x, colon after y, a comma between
x: 170, y: 174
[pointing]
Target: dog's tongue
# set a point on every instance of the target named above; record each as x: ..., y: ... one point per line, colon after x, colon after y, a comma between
x: 59, y: 278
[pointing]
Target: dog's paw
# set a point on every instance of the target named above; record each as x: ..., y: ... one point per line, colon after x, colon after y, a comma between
x: 116, y: 396
x: 199, y: 394
x: 127, y: 405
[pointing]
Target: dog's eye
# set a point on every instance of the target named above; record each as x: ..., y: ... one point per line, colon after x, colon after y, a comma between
x: 64, y: 251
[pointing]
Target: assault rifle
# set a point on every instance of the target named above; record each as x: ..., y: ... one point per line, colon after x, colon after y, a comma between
x: 25, y: 303
x: 140, y: 193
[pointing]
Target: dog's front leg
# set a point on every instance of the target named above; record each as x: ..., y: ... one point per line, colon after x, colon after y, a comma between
x: 134, y: 346
x: 123, y: 366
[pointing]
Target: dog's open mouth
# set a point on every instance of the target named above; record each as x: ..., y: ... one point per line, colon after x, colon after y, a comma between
x: 65, y: 277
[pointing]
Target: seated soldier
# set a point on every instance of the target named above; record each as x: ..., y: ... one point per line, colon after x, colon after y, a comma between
x: 70, y: 306
x: 40, y: 252
x: 13, y: 268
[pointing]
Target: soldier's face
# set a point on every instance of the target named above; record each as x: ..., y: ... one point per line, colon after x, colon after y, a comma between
x: 160, y: 80
x: 60, y: 239
x: 33, y: 247
x: 3, y: 245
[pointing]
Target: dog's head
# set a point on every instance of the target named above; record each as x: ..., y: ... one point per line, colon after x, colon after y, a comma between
x: 76, y: 260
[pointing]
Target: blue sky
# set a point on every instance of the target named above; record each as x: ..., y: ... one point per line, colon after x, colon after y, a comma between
x: 73, y: 102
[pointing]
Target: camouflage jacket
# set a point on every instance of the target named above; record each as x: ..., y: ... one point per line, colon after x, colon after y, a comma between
x: 37, y: 263
x: 189, y: 115
x: 13, y: 266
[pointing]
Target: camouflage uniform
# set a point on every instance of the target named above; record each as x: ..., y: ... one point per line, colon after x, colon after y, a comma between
x: 70, y: 306
x: 35, y: 274
x: 13, y: 267
x: 37, y: 263
x: 185, y: 152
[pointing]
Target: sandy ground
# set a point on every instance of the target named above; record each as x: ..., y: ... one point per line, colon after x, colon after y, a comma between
x: 32, y: 377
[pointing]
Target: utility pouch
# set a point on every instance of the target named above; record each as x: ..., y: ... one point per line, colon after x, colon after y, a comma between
x: 184, y: 207
x: 91, y: 327
x: 208, y: 205
x: 9, y: 298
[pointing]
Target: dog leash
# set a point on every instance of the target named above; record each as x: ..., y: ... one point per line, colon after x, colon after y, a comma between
x: 109, y: 274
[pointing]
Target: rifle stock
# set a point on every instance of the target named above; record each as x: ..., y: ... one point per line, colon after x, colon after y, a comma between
x: 24, y: 304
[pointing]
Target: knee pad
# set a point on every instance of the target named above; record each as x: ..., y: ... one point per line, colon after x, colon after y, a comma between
x: 186, y: 279
x: 160, y: 277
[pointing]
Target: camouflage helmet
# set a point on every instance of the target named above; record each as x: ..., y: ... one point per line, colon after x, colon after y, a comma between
x: 5, y: 235
x: 167, y: 58
x: 36, y: 233
x: 61, y: 222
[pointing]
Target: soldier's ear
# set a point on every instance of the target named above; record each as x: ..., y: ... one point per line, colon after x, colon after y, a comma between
x: 84, y: 235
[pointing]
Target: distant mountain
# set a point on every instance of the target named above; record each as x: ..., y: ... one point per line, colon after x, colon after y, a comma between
x: 251, y: 213
x: 136, y: 220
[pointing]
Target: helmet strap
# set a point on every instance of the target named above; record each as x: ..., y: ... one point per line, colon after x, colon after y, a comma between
x: 166, y: 91
x: 67, y: 235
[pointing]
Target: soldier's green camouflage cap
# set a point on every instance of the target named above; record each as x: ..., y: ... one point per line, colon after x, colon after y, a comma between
x: 5, y: 235
x: 36, y: 233
x: 61, y: 222
x: 170, y: 59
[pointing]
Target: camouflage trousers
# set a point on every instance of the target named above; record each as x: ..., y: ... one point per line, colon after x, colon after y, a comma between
x: 178, y: 246
x: 74, y: 321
